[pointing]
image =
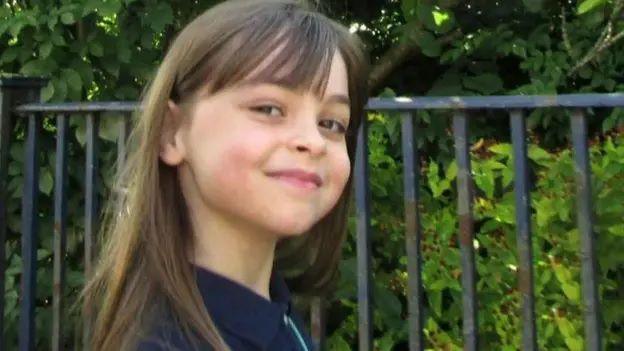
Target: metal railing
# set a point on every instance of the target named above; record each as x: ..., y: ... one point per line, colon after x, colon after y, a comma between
x: 515, y: 105
x: 15, y: 92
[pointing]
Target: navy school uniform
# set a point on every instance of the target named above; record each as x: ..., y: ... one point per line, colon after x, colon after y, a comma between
x: 246, y: 320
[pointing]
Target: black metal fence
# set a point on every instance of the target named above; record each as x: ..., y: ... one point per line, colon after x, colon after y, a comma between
x: 18, y: 98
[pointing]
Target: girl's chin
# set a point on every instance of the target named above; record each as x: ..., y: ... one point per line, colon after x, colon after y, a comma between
x: 289, y: 223
x: 282, y: 230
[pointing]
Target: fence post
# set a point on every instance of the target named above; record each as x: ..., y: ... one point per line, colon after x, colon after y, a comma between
x: 14, y: 91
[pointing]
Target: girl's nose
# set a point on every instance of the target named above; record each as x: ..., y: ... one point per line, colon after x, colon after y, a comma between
x: 308, y: 138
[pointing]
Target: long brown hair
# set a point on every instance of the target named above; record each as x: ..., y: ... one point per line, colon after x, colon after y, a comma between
x: 143, y: 268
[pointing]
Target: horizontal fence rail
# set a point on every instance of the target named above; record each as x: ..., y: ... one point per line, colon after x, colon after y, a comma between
x: 93, y: 113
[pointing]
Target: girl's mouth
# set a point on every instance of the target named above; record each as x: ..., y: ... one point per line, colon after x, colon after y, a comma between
x: 298, y: 178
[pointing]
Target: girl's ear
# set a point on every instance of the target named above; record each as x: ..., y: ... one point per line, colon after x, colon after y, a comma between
x: 172, y: 151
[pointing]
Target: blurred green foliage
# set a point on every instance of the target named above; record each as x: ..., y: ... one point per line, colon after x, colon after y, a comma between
x: 556, y: 248
x: 108, y: 50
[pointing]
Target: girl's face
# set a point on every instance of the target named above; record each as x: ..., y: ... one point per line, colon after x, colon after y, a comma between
x: 262, y: 156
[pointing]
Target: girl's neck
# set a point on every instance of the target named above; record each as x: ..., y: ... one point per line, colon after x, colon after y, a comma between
x: 242, y: 256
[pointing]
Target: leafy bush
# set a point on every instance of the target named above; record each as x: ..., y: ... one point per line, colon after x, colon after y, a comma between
x: 556, y: 248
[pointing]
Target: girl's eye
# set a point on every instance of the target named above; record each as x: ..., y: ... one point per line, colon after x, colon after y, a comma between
x: 270, y: 110
x: 334, y: 126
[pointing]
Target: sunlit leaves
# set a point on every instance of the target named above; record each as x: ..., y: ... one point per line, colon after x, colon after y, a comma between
x: 588, y: 5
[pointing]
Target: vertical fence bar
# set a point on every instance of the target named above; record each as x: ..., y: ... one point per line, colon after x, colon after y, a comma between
x: 29, y: 235
x: 318, y: 318
x: 91, y: 205
x: 60, y: 227
x: 413, y: 231
x: 589, y: 265
x: 6, y: 127
x: 523, y: 227
x: 13, y: 92
x: 91, y: 209
x: 466, y: 231
x: 362, y: 201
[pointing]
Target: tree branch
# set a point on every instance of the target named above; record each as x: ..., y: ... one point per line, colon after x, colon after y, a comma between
x: 564, y: 32
x: 397, y: 55
x: 604, y: 41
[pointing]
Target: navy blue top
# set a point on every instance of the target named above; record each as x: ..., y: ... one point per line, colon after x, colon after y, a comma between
x: 246, y: 320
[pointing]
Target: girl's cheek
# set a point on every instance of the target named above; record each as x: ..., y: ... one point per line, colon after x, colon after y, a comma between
x: 243, y: 153
x: 341, y: 169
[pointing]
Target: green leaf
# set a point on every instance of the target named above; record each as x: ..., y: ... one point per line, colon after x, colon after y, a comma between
x: 487, y: 83
x: 108, y: 8
x: 9, y: 55
x: 485, y: 182
x: 508, y: 176
x: 589, y: 5
x: 562, y: 273
x: 33, y: 68
x: 408, y: 7
x: 443, y: 20
x: 536, y: 153
x: 440, y: 17
x: 572, y: 291
x: 45, y: 49
x: 617, y: 230
x: 160, y: 17
x: 519, y: 50
x: 74, y: 82
x: 147, y: 40
x: 96, y: 48
x: 501, y: 149
x: 60, y: 90
x: 425, y: 15
x: 52, y: 22
x: 388, y: 303
x: 449, y: 84
x: 533, y: 5
x: 42, y: 254
x: 428, y: 44
x: 438, y: 285
x: 545, y: 277
x: 75, y: 279
x: 574, y: 343
x: 85, y: 70
x: 57, y: 39
x: 112, y: 67
x: 337, y: 343
x: 109, y: 128
x: 46, y: 181
x: 47, y: 92
x: 451, y: 171
x: 16, y: 28
x: 387, y: 342
x: 435, y: 301
x: 68, y: 18
x: 123, y: 52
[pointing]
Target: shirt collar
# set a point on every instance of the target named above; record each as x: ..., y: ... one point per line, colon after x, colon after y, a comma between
x: 241, y: 310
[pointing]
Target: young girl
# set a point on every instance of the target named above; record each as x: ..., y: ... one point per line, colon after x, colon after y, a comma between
x: 240, y: 178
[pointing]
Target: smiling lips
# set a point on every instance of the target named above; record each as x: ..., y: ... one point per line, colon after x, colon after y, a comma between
x: 298, y: 178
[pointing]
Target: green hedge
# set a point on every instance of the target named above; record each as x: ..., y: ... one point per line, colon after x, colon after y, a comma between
x: 556, y: 248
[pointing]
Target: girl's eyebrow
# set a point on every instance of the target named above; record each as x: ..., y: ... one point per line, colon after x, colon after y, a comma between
x: 339, y: 99
x: 335, y: 98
